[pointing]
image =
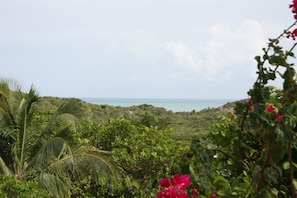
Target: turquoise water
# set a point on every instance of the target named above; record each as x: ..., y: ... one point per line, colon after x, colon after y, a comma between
x: 175, y: 105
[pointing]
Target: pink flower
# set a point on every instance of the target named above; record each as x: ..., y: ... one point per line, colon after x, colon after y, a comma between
x: 270, y: 108
x: 165, y: 182
x: 176, y: 187
x: 171, y: 193
x: 181, y: 181
x: 168, y: 193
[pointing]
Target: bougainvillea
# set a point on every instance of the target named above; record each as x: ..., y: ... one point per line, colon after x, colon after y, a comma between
x: 252, y: 152
x: 293, y: 33
x: 293, y: 6
x: 177, y: 187
x: 271, y: 109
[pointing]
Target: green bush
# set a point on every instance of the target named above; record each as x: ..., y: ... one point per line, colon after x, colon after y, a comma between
x: 12, y: 187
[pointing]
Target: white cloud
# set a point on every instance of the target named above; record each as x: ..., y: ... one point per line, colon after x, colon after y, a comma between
x: 229, y: 52
x: 141, y: 62
x: 183, y: 54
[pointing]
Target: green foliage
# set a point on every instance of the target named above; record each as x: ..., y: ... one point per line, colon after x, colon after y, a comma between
x: 250, y: 152
x: 143, y: 153
x: 185, y: 125
x: 43, y: 147
x: 12, y: 187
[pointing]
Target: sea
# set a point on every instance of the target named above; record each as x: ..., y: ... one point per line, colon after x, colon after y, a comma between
x: 175, y: 105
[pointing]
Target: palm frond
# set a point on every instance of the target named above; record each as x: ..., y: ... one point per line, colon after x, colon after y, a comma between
x: 75, y: 167
x: 54, y: 185
x: 63, y: 123
x: 25, y: 104
x: 71, y: 106
x: 84, y: 162
x: 70, y: 119
x: 23, y: 113
x: 67, y: 133
x: 61, y: 130
x: 14, y: 104
x: 3, y: 168
x: 52, y: 150
x: 6, y: 105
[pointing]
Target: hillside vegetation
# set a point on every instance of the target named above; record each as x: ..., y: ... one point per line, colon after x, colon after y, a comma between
x: 184, y: 124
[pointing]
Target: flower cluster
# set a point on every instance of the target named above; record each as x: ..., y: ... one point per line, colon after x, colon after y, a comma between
x: 177, y: 187
x: 270, y: 108
x: 293, y: 6
x: 277, y: 116
x: 249, y: 102
x: 293, y: 34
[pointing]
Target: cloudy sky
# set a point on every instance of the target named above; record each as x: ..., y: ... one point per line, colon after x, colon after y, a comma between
x: 137, y: 48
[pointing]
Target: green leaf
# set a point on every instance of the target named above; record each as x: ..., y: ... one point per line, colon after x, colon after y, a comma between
x: 3, y: 168
x: 295, y: 183
x: 279, y: 133
x: 221, y: 183
x: 54, y: 185
x: 258, y: 59
x: 277, y: 153
x: 286, y: 165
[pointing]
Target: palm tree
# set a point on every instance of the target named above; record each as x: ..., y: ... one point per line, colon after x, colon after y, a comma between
x: 50, y: 156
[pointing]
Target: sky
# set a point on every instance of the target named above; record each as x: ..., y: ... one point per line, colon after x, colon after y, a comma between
x: 137, y: 48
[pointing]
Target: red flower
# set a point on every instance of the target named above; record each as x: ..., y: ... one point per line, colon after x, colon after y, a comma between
x: 292, y: 34
x: 293, y: 6
x: 195, y: 192
x: 183, y: 195
x: 270, y: 108
x: 278, y: 117
x: 213, y: 196
x: 249, y: 101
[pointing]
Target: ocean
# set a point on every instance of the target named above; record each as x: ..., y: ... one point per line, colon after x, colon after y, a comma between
x: 175, y: 105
